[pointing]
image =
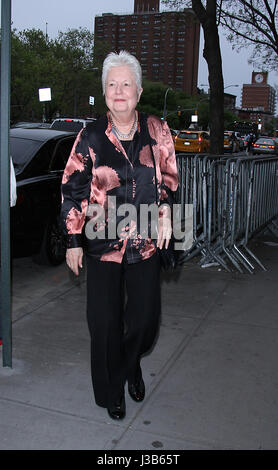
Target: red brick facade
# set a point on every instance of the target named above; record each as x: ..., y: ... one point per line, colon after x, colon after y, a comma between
x: 258, y: 96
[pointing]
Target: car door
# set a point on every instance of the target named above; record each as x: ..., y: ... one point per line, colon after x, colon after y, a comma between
x: 57, y: 165
x: 32, y: 207
x: 39, y: 195
x: 53, y: 247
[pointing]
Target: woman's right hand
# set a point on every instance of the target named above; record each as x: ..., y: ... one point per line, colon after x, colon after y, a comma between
x: 74, y: 258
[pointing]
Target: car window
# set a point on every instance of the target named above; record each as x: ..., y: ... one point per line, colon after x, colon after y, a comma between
x: 40, y: 163
x: 188, y: 135
x: 61, y: 154
x: 74, y: 126
x: 22, y: 152
x: 265, y: 141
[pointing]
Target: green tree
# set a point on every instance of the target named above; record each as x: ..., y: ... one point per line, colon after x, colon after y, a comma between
x: 30, y: 56
x: 80, y: 73
x: 271, y: 127
x: 229, y: 119
x: 153, y: 100
x: 69, y: 65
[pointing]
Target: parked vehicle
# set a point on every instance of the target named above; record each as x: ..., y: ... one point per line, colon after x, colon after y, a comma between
x: 192, y: 141
x: 27, y: 124
x: 231, y: 142
x: 39, y: 157
x: 70, y: 124
x: 265, y: 145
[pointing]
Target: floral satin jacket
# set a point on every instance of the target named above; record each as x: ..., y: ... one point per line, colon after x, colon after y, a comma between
x: 102, y: 179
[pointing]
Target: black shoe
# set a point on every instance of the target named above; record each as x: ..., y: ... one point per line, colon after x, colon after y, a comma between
x: 117, y: 410
x: 137, y: 390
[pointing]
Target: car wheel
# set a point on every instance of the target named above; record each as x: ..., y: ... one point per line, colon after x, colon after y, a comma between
x: 53, y: 248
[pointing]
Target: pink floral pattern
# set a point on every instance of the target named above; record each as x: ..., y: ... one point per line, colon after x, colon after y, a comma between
x: 99, y: 166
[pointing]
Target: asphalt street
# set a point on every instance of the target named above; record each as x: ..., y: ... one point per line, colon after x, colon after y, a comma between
x: 211, y: 378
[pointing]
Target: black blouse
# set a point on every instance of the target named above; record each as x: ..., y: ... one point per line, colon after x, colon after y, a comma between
x: 106, y: 183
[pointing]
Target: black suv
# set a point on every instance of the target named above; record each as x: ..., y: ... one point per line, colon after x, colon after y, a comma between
x: 39, y: 158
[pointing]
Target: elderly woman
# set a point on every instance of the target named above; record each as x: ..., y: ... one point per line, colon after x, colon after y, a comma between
x: 109, y: 172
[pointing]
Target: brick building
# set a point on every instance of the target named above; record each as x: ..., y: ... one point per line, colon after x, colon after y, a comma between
x: 258, y: 99
x: 165, y: 43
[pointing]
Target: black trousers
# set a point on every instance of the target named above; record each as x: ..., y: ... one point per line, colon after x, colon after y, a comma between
x: 123, y: 311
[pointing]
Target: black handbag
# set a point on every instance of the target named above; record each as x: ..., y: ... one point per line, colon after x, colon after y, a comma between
x: 168, y: 257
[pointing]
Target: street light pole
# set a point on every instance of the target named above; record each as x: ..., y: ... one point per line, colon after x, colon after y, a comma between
x: 5, y: 289
x: 165, y: 99
x: 228, y: 86
x: 225, y: 87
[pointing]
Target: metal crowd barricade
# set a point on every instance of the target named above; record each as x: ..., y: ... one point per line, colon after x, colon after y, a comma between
x: 185, y: 169
x: 233, y: 197
x: 262, y: 198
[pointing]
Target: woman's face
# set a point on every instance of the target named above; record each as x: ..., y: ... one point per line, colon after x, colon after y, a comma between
x: 121, y: 92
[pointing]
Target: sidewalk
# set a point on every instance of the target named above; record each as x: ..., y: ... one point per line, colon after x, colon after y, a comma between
x: 211, y: 380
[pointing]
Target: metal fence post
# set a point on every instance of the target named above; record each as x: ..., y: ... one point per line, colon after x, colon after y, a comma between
x: 5, y: 182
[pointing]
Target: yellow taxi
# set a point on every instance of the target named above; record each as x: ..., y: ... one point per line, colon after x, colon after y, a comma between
x: 192, y: 141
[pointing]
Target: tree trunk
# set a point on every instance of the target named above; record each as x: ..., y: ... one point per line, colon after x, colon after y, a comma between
x: 212, y: 55
x: 216, y: 104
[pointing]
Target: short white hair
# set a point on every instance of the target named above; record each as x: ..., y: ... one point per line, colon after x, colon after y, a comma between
x: 115, y: 59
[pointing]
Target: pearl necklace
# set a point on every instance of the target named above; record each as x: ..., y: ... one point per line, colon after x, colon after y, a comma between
x: 120, y: 134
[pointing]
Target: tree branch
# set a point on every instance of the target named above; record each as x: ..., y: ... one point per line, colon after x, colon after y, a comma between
x: 253, y: 19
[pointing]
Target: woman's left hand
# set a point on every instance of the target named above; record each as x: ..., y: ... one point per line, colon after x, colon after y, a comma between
x: 164, y: 231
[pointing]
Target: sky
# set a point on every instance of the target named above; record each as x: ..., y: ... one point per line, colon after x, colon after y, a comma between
x: 52, y: 16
